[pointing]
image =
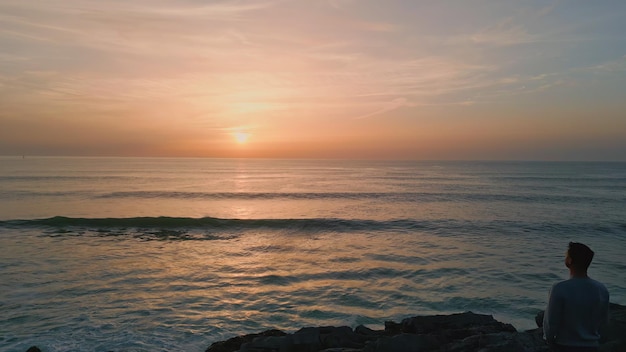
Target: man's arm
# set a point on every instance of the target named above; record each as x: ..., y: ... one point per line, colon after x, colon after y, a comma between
x: 605, y: 317
x: 552, y: 317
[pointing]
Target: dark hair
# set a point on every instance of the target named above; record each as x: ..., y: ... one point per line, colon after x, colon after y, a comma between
x: 580, y: 254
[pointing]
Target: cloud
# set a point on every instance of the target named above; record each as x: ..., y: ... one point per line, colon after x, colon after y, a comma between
x: 129, y: 27
x: 612, y: 66
x: 339, y: 4
x: 503, y: 33
x: 547, y: 10
x: 388, y: 106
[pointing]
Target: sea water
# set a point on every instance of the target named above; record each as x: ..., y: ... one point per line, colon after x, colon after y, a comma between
x: 150, y: 254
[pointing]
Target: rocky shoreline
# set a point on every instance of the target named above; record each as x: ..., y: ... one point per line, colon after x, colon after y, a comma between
x: 462, y: 332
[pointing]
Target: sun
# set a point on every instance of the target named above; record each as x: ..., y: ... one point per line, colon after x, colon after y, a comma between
x: 241, y: 137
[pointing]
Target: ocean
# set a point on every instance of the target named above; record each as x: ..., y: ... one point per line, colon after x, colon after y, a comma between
x: 155, y: 254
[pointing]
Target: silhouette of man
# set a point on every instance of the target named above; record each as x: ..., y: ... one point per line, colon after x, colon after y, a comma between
x: 578, y: 308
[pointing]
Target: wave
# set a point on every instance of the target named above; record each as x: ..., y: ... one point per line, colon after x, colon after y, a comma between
x: 531, y: 196
x: 409, y: 176
x: 387, y: 196
x: 440, y: 226
x: 164, y: 222
x: 82, y: 178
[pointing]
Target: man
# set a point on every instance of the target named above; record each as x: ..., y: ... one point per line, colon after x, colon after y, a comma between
x: 578, y: 308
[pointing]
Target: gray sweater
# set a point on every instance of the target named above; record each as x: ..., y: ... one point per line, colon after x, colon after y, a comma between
x: 577, y: 310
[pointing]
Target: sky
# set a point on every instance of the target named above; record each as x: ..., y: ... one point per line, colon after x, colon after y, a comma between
x: 355, y: 79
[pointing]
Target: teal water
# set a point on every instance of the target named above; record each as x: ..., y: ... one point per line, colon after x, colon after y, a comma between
x: 127, y: 254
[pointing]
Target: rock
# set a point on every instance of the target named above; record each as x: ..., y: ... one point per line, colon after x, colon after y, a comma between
x: 462, y: 332
x: 235, y: 343
x: 364, y: 330
x: 400, y: 343
x: 307, y: 339
x: 341, y: 337
x: 615, y: 335
x: 266, y: 343
x: 534, y: 338
x: 612, y: 346
x: 539, y: 319
x: 461, y: 321
x: 449, y: 329
x: 33, y: 349
x: 392, y: 328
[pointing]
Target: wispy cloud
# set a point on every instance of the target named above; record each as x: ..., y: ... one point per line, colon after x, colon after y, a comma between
x: 386, y: 107
x: 547, y: 9
x: 612, y: 66
x: 341, y: 3
x: 504, y: 33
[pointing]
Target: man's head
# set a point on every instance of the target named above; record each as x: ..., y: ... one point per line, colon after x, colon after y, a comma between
x: 578, y: 257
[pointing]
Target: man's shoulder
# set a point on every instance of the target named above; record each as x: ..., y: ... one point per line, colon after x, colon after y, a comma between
x: 561, y: 285
x: 573, y: 283
x: 595, y: 282
x: 560, y: 288
x: 599, y: 285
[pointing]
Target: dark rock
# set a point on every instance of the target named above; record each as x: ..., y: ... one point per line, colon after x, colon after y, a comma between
x: 392, y: 328
x: 450, y: 329
x: 615, y: 334
x: 341, y: 337
x: 33, y: 349
x: 463, y: 332
x: 330, y: 337
x: 399, y: 343
x: 506, y: 341
x: 267, y: 343
x: 235, y: 343
x: 535, y: 338
x: 307, y: 339
x: 364, y: 330
x: 539, y: 319
x: 617, y: 320
x: 460, y: 321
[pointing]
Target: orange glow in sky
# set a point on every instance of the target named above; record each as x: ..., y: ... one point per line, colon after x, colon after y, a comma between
x: 241, y: 137
x: 364, y: 79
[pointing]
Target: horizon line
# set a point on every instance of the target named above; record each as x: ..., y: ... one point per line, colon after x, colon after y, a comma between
x: 26, y: 156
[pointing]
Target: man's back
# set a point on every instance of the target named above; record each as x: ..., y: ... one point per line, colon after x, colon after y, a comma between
x: 577, y: 310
